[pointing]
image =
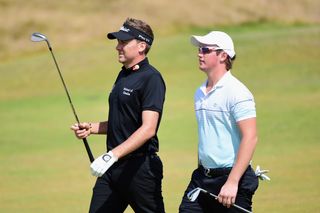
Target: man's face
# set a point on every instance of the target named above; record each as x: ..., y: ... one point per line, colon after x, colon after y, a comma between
x: 208, y: 58
x: 128, y: 51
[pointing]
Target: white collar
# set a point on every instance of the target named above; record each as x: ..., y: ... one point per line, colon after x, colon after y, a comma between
x: 218, y: 85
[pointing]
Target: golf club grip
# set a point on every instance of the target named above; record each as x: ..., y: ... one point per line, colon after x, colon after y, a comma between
x: 85, y: 142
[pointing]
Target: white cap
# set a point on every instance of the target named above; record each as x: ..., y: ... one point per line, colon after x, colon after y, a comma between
x: 221, y: 39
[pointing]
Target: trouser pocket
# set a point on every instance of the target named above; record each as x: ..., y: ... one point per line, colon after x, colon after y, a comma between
x: 249, y: 181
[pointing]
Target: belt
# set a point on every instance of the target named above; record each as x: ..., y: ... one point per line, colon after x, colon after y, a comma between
x: 215, y: 172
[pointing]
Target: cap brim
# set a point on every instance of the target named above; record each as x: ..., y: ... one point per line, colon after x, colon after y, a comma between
x: 196, y: 40
x: 120, y: 35
x: 200, y: 41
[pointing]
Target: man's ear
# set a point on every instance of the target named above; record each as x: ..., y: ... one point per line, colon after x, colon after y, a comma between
x: 223, y: 57
x: 142, y: 47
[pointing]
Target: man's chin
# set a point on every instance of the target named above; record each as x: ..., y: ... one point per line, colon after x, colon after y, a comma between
x: 121, y: 60
x: 201, y: 68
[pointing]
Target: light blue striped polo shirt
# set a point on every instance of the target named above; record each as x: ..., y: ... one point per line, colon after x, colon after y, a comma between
x: 217, y: 114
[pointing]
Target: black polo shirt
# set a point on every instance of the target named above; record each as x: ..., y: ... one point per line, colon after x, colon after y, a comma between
x: 133, y: 92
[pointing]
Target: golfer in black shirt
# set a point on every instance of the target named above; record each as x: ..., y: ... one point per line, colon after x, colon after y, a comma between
x: 130, y: 172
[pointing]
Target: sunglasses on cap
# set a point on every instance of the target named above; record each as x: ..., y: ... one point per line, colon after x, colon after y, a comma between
x: 207, y: 50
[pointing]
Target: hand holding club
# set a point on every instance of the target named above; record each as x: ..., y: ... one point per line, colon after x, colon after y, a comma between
x: 82, y: 130
x: 193, y: 195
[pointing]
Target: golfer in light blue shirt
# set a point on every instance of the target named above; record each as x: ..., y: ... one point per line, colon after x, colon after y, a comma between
x: 226, y: 117
x: 218, y: 113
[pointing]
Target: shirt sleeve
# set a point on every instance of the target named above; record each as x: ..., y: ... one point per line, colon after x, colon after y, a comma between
x: 153, y: 95
x: 244, y: 106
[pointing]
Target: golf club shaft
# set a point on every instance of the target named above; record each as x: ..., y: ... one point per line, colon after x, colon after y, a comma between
x: 85, y: 142
x: 235, y: 205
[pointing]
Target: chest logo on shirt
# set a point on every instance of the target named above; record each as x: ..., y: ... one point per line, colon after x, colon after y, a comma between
x: 127, y: 91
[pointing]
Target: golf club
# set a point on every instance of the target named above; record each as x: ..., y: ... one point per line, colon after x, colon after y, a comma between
x: 38, y: 37
x: 193, y: 195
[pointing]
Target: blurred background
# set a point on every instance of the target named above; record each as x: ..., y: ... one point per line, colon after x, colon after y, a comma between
x: 44, y: 168
x: 72, y: 22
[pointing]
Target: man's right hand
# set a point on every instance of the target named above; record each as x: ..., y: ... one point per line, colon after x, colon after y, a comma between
x: 81, y: 130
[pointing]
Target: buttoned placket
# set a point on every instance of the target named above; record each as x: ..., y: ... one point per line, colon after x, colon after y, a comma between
x: 204, y: 102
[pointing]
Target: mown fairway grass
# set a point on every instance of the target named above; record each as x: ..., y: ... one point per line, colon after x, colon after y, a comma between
x: 45, y: 169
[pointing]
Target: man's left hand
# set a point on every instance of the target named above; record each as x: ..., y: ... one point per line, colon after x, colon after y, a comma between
x: 228, y: 193
x: 100, y: 165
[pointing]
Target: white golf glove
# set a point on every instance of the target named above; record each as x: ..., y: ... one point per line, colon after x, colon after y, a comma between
x: 100, y: 165
x: 261, y: 174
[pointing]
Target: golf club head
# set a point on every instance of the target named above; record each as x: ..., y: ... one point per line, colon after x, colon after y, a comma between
x: 193, y: 194
x: 37, y: 37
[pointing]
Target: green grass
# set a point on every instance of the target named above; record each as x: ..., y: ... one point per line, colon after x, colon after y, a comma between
x: 44, y: 168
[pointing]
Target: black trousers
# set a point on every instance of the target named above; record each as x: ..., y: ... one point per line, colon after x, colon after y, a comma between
x: 135, y: 181
x: 206, y: 203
